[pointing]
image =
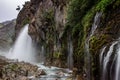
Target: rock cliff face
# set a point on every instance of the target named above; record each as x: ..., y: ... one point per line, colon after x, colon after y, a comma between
x: 47, y: 22
x: 47, y: 26
x: 54, y: 24
x: 7, y: 34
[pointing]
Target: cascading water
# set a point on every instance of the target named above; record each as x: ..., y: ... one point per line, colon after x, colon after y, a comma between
x: 117, y: 71
x: 42, y: 54
x: 70, y: 53
x: 106, y: 60
x: 23, y: 49
x: 96, y: 22
x: 87, y: 56
x: 101, y: 54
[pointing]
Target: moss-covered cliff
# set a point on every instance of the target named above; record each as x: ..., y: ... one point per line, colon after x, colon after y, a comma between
x: 53, y: 22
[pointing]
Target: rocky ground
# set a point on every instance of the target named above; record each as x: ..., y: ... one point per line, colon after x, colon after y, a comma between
x: 14, y: 70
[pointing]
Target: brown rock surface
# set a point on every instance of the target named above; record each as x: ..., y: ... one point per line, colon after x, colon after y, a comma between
x: 17, y: 70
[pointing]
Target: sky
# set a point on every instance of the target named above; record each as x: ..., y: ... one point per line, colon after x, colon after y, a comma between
x: 8, y: 9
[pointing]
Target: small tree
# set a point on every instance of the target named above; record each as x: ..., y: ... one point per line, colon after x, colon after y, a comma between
x: 18, y: 8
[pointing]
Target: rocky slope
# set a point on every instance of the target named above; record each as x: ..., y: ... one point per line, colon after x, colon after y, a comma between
x: 7, y: 34
x: 54, y: 23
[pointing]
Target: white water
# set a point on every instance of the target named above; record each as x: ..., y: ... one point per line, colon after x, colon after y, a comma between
x: 107, y: 57
x: 87, y: 51
x: 101, y: 54
x: 23, y: 49
x: 106, y: 60
x: 70, y: 53
x: 54, y: 73
x: 96, y: 23
x: 42, y: 54
x: 117, y: 74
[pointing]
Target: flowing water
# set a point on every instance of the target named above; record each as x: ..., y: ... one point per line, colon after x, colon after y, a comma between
x: 42, y: 54
x: 70, y: 53
x: 117, y: 74
x: 106, y: 60
x: 101, y: 54
x: 87, y: 51
x: 23, y: 49
x: 96, y: 22
x: 55, y: 73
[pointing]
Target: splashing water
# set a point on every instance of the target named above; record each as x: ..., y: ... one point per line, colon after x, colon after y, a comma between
x: 23, y: 49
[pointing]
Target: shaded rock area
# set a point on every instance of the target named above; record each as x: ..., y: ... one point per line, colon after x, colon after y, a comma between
x: 7, y: 33
x: 13, y: 70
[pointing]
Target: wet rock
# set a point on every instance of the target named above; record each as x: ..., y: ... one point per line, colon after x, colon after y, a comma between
x: 22, y: 78
x: 18, y: 70
x: 40, y: 72
x: 60, y: 73
x: 79, y: 77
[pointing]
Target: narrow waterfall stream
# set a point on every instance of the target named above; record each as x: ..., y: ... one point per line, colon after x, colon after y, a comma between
x: 117, y: 74
x: 70, y: 53
x: 87, y: 51
x: 101, y: 55
x: 42, y: 54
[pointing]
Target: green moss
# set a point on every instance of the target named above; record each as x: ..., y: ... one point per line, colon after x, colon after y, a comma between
x: 49, y: 16
x: 80, y: 18
x: 13, y: 66
x: 57, y: 55
x: 101, y: 6
x: 25, y: 21
x: 116, y: 4
x: 97, y: 42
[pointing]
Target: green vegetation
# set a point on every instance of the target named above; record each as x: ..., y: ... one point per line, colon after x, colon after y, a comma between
x: 97, y: 42
x: 80, y: 18
x: 101, y: 6
x: 49, y: 16
x: 25, y: 21
x: 57, y: 55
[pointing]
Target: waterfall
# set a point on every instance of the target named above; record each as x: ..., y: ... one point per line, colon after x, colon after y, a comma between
x: 23, y: 49
x: 70, y: 53
x: 106, y: 60
x: 107, y: 57
x: 101, y: 54
x: 87, y: 51
x: 96, y: 23
x: 42, y: 54
x: 117, y: 74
